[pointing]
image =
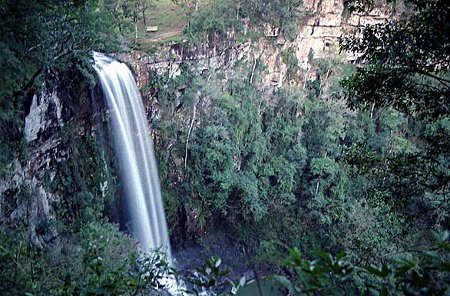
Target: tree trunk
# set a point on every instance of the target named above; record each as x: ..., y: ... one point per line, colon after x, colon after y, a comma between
x: 189, y: 134
x: 145, y: 20
x: 135, y: 31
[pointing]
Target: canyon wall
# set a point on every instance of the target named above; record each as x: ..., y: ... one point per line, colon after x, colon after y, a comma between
x: 317, y: 37
x: 33, y: 191
x: 25, y: 198
x: 25, y: 191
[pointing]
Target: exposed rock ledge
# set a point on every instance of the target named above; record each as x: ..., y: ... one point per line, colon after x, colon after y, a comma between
x: 319, y: 34
x: 24, y: 197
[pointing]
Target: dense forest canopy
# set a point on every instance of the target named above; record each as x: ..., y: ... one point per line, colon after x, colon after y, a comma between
x: 352, y: 160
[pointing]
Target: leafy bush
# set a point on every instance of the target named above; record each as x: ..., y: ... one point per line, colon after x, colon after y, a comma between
x: 98, y: 260
x: 211, y: 278
x: 220, y: 16
x: 217, y: 17
x: 416, y: 272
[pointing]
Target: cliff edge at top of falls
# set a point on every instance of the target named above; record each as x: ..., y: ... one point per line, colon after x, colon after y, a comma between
x: 318, y: 33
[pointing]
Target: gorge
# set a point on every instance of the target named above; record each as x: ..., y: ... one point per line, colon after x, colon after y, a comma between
x: 302, y: 142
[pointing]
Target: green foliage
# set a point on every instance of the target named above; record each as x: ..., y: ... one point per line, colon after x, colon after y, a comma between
x: 98, y: 260
x: 236, y: 152
x: 408, y: 62
x: 211, y: 277
x: 171, y: 206
x: 220, y: 16
x: 253, y: 155
x: 407, y: 66
x: 104, y: 262
x: 409, y: 273
x: 291, y: 62
x: 283, y: 14
x: 61, y: 32
x: 217, y: 17
x: 126, y: 14
x: 78, y: 181
x: 40, y: 39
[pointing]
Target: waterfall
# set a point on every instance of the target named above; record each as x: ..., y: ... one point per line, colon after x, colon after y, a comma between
x: 134, y: 151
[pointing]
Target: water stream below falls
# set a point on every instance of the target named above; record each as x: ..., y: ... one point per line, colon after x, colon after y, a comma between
x: 134, y: 151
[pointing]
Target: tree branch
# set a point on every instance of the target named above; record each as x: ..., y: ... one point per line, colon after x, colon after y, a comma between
x: 189, y: 134
x: 440, y: 79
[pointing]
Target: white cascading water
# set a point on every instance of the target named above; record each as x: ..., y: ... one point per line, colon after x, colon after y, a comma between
x: 134, y: 151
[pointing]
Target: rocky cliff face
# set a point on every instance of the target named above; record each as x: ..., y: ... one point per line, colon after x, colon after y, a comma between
x: 28, y: 193
x: 25, y: 193
x: 25, y: 198
x: 318, y: 37
x: 330, y: 21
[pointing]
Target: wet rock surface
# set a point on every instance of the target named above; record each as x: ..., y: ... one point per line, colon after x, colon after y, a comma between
x: 234, y: 256
x: 26, y: 200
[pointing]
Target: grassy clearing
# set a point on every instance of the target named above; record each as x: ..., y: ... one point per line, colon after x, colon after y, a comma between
x: 168, y: 16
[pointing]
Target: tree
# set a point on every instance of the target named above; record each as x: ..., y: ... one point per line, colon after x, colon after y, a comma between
x: 406, y: 66
x: 120, y: 15
x: 282, y: 14
x: 218, y: 16
x: 128, y: 12
x: 143, y: 5
x: 407, y: 62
